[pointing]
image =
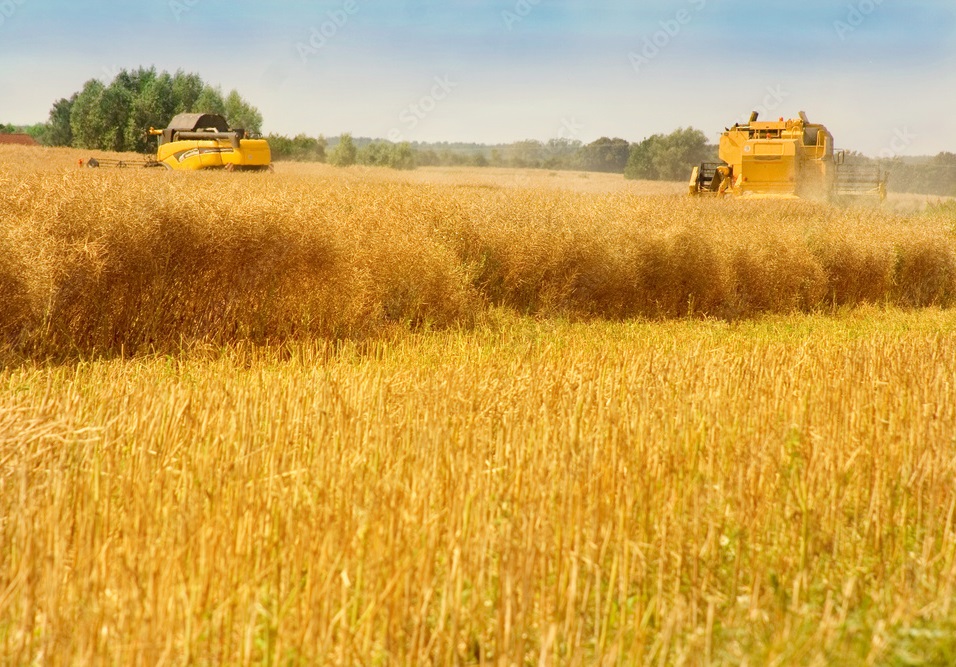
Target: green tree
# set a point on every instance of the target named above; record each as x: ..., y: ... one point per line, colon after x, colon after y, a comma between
x: 241, y: 114
x: 115, y: 116
x: 607, y: 155
x: 186, y: 91
x: 526, y: 154
x: 387, y: 154
x: 403, y: 157
x: 115, y: 105
x: 281, y: 147
x: 301, y: 148
x: 210, y: 100
x: 86, y: 122
x: 135, y: 81
x: 153, y: 107
x: 315, y: 147
x: 427, y: 158
x: 59, y: 132
x: 39, y: 131
x: 345, y: 153
x: 374, y: 154
x: 562, y: 153
x: 668, y: 157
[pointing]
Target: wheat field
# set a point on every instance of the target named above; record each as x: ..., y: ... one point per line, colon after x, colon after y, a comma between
x: 103, y: 261
x: 354, y: 417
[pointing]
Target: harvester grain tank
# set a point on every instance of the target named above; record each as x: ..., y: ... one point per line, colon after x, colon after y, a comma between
x: 205, y: 141
x: 785, y: 159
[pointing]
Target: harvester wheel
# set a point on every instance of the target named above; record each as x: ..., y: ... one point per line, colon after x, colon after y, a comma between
x: 92, y: 162
x: 230, y: 167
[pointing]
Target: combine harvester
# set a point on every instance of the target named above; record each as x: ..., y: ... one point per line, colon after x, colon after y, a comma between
x: 196, y: 141
x: 786, y: 159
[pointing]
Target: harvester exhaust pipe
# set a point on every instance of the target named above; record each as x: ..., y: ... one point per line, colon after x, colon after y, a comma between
x: 753, y: 116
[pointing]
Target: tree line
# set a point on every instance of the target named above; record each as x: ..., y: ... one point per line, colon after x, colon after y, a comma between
x: 668, y: 157
x: 114, y: 116
x: 659, y: 157
x: 345, y: 151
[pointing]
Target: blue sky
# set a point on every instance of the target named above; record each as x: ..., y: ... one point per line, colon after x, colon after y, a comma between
x: 879, y: 73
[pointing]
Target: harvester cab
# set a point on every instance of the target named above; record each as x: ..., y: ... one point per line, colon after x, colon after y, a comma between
x: 205, y: 141
x: 784, y: 159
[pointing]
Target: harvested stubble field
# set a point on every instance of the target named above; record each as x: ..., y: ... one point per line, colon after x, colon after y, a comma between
x: 356, y: 417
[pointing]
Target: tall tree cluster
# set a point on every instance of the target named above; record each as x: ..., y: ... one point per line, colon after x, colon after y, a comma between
x: 115, y: 116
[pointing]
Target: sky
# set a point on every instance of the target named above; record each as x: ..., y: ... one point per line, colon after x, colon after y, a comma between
x: 881, y: 74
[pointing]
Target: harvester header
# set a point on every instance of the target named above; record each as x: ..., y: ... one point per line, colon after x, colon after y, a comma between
x: 205, y: 141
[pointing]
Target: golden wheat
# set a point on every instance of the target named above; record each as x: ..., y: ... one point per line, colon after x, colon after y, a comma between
x: 109, y: 260
x: 685, y: 493
x: 301, y: 419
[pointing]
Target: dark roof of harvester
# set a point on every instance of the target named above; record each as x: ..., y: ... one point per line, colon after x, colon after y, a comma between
x: 187, y: 122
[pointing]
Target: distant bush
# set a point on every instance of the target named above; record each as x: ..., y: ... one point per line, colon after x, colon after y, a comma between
x: 387, y: 154
x: 345, y: 153
x: 300, y: 148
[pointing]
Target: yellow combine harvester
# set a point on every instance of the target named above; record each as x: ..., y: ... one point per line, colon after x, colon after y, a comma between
x: 205, y: 141
x: 200, y: 141
x: 785, y: 158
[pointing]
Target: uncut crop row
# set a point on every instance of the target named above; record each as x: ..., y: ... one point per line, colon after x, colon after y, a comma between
x: 109, y: 261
